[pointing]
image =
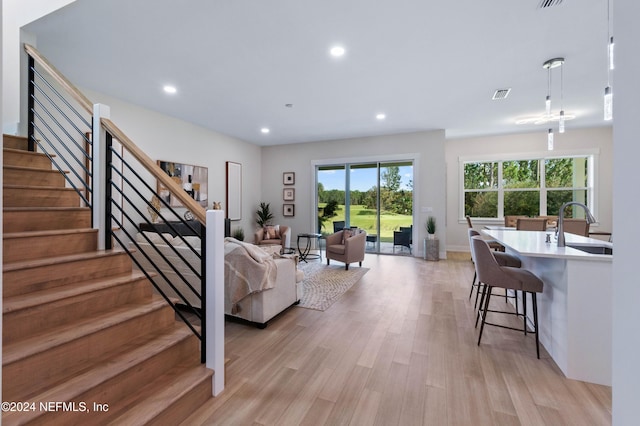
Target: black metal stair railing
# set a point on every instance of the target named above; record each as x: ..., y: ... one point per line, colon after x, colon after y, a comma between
x: 60, y: 126
x: 61, y: 131
x: 172, y: 265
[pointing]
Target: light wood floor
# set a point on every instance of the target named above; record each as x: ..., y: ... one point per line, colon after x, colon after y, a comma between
x: 398, y: 349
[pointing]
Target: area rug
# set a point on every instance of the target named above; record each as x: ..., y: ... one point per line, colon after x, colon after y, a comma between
x: 324, y: 284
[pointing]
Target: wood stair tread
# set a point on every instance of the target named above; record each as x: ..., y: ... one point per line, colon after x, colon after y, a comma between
x: 48, y: 233
x: 36, y: 263
x: 29, y: 300
x: 23, y: 152
x: 32, y: 169
x: 16, y: 351
x: 128, y: 358
x: 150, y: 401
x: 49, y: 188
x: 48, y: 209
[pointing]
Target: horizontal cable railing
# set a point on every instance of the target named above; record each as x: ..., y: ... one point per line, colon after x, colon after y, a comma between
x: 167, y: 248
x: 61, y: 130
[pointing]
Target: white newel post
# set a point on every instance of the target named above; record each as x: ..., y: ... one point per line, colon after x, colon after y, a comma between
x: 215, y: 297
x: 98, y: 173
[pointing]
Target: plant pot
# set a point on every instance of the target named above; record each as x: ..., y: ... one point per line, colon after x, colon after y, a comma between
x: 431, y: 248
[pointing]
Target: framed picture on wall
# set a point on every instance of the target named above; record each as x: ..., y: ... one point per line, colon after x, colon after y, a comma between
x: 288, y: 210
x: 192, y: 179
x: 288, y: 194
x: 288, y: 178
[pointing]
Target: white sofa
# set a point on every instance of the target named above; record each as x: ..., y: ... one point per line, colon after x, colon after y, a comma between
x: 258, y: 307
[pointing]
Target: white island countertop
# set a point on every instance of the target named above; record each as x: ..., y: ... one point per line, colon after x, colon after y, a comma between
x: 575, y: 307
x: 532, y: 243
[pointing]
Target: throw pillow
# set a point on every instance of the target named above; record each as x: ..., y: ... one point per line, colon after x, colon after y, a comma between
x: 347, y: 233
x: 270, y: 232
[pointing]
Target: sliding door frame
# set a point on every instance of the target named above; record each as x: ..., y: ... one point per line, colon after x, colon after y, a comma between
x: 347, y: 161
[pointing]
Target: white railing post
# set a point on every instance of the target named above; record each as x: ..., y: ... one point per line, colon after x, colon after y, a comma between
x: 215, y: 297
x: 98, y: 182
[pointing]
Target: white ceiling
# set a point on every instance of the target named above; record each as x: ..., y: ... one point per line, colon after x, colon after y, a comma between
x: 426, y: 64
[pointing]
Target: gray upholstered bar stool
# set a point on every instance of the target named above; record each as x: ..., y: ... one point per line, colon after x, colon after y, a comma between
x: 493, y: 275
x: 503, y: 259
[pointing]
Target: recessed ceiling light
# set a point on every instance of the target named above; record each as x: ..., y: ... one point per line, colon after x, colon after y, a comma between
x: 170, y: 89
x: 265, y: 130
x: 381, y: 116
x: 337, y: 51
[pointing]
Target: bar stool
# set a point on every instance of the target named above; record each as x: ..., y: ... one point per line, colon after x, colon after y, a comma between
x: 503, y: 259
x: 493, y: 275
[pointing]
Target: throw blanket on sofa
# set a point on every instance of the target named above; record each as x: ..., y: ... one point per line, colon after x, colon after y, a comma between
x: 247, y: 269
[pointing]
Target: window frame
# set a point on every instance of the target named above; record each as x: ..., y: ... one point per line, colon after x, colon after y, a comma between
x: 592, y: 156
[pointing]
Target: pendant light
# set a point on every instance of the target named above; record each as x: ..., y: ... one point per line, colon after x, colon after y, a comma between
x: 608, y: 93
x: 547, y: 102
x: 561, y: 121
x: 549, y: 65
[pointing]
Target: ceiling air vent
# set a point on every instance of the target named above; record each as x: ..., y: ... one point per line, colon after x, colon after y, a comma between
x: 501, y: 94
x: 548, y: 3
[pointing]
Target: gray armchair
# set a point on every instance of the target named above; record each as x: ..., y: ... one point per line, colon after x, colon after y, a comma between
x: 347, y: 250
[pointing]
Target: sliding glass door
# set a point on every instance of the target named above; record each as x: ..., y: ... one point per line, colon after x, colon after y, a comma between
x: 374, y: 196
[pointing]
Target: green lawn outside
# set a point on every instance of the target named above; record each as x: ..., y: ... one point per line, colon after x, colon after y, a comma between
x: 366, y: 219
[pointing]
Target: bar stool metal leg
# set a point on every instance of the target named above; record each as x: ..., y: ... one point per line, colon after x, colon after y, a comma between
x: 486, y: 307
x: 535, y: 321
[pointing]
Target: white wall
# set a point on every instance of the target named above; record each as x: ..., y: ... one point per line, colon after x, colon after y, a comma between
x: 427, y: 148
x: 170, y: 139
x: 626, y: 290
x: 573, y: 140
x: 15, y: 14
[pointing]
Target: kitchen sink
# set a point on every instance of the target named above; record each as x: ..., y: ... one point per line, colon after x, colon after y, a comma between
x: 593, y: 249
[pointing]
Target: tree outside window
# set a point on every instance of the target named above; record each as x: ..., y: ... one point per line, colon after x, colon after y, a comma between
x: 528, y: 187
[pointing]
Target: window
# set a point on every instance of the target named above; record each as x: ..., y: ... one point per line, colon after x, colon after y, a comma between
x: 530, y: 186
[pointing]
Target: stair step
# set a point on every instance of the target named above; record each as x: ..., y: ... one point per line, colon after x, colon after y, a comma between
x: 23, y: 219
x: 39, y: 196
x: 35, y: 363
x: 20, y: 246
x: 16, y: 175
x: 115, y: 379
x: 14, y: 142
x: 19, y: 157
x: 169, y: 399
x: 40, y: 274
x: 38, y: 312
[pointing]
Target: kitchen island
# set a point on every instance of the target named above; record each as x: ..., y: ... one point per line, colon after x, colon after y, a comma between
x: 575, y: 308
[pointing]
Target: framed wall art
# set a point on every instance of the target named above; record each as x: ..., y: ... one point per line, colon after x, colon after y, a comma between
x: 289, y: 178
x: 192, y: 179
x: 288, y: 194
x: 288, y: 210
x: 234, y: 191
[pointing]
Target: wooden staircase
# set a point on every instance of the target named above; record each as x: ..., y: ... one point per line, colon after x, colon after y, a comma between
x: 83, y: 333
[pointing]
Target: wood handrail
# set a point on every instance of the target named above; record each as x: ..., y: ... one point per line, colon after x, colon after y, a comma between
x: 150, y: 165
x: 197, y: 210
x: 60, y: 78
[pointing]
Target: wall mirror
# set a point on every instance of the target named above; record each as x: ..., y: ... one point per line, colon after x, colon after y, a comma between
x: 233, y: 202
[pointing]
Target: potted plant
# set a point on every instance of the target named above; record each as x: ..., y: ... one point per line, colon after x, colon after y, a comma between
x: 264, y: 215
x: 431, y: 227
x: 238, y: 234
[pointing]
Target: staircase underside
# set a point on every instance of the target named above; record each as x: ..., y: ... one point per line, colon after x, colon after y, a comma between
x: 85, y: 340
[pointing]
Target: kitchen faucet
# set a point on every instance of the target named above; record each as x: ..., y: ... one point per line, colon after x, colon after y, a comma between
x: 560, y: 228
